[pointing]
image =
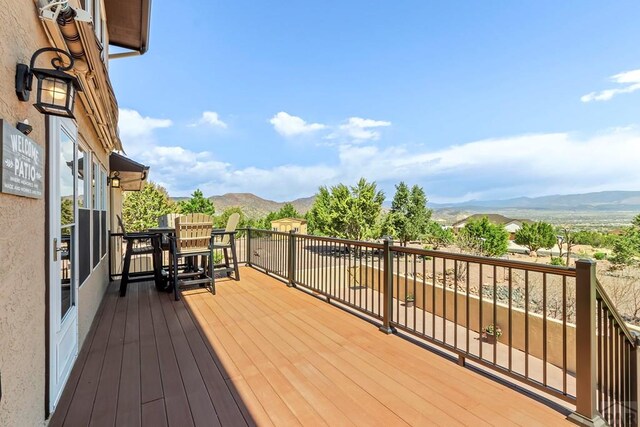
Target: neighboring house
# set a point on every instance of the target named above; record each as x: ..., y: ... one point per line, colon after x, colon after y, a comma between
x: 298, y: 225
x: 57, y: 204
x: 510, y: 224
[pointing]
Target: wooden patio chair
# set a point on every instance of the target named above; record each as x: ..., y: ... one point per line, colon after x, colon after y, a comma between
x: 192, y: 239
x: 139, y: 244
x: 227, y: 243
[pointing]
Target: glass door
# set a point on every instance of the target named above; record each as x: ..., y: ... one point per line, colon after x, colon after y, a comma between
x: 63, y: 254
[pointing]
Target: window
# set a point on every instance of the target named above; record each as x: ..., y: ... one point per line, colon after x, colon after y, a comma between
x: 84, y: 213
x: 104, y: 234
x: 92, y: 212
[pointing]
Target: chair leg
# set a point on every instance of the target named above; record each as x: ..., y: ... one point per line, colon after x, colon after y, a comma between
x: 124, y: 279
x: 176, y: 295
x: 157, y: 263
x: 213, y: 277
x: 235, y: 257
x: 226, y: 261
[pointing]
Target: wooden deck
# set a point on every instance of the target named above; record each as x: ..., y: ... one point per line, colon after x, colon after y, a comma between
x: 259, y: 353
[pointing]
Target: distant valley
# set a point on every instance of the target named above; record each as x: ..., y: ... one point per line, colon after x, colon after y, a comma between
x: 601, y: 210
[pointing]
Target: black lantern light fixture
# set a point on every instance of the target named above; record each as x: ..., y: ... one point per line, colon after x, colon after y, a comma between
x: 114, y: 180
x: 56, y: 90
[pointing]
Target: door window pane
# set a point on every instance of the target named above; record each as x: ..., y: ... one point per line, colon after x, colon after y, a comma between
x: 65, y: 247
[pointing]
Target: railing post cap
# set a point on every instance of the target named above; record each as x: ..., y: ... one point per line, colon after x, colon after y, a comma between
x: 587, y: 262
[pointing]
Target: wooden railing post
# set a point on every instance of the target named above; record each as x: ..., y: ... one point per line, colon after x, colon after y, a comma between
x: 635, y: 361
x: 292, y: 259
x: 586, y: 412
x: 387, y: 288
x: 248, y: 246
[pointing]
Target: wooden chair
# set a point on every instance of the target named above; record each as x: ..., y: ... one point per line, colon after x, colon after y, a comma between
x: 168, y: 220
x: 228, y: 243
x: 140, y: 244
x: 192, y: 239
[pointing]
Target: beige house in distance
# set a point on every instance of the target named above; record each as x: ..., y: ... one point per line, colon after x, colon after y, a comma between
x: 510, y: 224
x: 59, y: 121
x: 285, y: 225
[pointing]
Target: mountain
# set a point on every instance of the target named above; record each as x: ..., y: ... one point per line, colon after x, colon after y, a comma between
x: 600, y: 201
x: 254, y: 206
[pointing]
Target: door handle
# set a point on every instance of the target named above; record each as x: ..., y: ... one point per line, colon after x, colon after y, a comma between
x: 56, y: 249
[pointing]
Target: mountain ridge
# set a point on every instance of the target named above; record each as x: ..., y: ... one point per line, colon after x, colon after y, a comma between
x: 255, y: 206
x: 594, y: 201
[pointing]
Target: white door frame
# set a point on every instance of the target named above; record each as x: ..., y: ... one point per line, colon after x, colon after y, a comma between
x: 63, y: 332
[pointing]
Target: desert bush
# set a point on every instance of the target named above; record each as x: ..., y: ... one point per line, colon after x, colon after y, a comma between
x: 600, y: 256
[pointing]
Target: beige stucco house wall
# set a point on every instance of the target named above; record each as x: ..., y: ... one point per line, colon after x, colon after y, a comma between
x: 24, y: 221
x: 22, y: 241
x: 287, y: 224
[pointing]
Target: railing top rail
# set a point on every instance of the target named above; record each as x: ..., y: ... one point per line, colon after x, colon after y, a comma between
x: 602, y: 295
x: 361, y: 243
x: 498, y: 262
x: 261, y: 230
x: 373, y: 245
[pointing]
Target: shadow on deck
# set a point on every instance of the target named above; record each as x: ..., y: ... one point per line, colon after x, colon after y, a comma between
x: 260, y: 353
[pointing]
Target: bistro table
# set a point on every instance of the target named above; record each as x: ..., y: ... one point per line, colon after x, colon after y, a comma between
x: 165, y: 233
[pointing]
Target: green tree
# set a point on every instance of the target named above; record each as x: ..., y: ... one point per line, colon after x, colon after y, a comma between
x: 141, y: 209
x: 197, y: 204
x: 66, y: 211
x: 319, y: 217
x: 221, y: 220
x: 484, y: 237
x: 566, y: 239
x: 536, y: 236
x: 409, y: 217
x: 437, y: 236
x: 347, y: 212
x: 627, y: 246
x: 287, y: 211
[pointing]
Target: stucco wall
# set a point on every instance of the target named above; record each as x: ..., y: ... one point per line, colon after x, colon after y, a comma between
x: 22, y: 240
x: 90, y: 297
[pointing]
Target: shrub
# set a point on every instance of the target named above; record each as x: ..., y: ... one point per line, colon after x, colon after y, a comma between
x: 600, y: 256
x: 556, y: 260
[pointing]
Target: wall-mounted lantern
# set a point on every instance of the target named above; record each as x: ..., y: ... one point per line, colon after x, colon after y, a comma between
x: 56, y: 90
x: 114, y: 180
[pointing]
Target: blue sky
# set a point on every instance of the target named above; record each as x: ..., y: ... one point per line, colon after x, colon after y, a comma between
x: 468, y: 99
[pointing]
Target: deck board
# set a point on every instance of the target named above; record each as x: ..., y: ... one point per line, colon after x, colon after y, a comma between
x: 260, y: 353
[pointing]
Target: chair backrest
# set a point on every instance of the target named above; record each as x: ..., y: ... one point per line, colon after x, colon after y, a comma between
x: 168, y: 220
x: 193, y: 232
x: 232, y: 224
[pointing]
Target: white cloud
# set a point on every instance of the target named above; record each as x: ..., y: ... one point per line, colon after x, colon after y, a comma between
x: 357, y: 129
x: 289, y: 126
x: 536, y: 164
x: 210, y: 118
x: 133, y: 125
x: 629, y: 78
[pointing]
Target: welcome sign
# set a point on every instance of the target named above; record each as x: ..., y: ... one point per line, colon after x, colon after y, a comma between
x: 22, y: 159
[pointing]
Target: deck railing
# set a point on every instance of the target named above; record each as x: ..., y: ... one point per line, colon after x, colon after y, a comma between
x: 617, y: 364
x: 559, y: 332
